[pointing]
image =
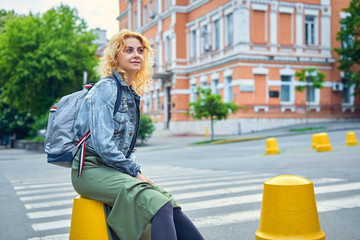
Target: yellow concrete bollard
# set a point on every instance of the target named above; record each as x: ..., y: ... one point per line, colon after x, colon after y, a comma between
x: 323, y: 144
x: 271, y: 146
x: 351, y: 139
x: 207, y: 132
x: 314, y: 140
x: 88, y: 220
x: 289, y: 210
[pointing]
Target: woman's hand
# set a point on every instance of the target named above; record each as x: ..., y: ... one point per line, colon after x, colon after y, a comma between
x: 142, y: 178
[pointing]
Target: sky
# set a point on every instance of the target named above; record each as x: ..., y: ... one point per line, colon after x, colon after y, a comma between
x: 96, y: 13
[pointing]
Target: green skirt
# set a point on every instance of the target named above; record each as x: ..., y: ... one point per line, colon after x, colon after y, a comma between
x: 133, y: 202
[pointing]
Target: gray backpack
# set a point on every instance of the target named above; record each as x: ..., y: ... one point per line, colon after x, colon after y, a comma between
x: 59, y: 141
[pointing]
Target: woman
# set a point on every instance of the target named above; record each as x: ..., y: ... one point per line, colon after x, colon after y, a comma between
x: 110, y: 173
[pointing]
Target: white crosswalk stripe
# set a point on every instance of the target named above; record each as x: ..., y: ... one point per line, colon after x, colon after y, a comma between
x: 200, y: 193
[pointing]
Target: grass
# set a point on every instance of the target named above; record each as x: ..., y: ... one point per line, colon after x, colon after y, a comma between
x: 207, y: 142
x: 35, y: 139
x: 307, y: 129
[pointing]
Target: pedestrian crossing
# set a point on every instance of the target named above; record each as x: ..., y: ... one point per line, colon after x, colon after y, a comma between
x: 210, y: 198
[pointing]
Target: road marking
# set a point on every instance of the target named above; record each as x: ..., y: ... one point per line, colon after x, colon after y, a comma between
x: 52, y: 237
x: 51, y: 213
x: 252, y: 198
x: 211, y: 179
x: 215, y: 184
x: 222, y: 191
x: 237, y: 217
x: 338, y: 188
x: 339, y: 203
x: 48, y: 204
x: 190, y: 184
x: 48, y: 196
x: 246, y: 216
x: 46, y: 190
x: 51, y: 225
x: 208, y: 193
x: 42, y: 186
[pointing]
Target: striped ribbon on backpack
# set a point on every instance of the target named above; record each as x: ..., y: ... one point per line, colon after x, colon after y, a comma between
x: 81, y: 143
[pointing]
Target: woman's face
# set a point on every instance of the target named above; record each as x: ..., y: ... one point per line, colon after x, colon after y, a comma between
x: 131, y: 59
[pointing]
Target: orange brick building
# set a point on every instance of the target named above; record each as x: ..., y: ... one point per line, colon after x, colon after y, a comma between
x: 247, y: 51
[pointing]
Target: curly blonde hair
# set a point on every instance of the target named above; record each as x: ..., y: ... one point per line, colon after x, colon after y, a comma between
x: 117, y: 43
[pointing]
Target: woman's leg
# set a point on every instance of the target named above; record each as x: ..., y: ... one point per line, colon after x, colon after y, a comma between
x: 162, y: 224
x: 185, y: 229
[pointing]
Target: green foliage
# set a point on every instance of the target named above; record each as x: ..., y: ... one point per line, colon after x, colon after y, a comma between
x: 349, y: 52
x: 13, y: 122
x: 4, y: 16
x: 312, y: 76
x: 146, y: 128
x: 43, y: 58
x: 210, y: 106
x: 38, y: 124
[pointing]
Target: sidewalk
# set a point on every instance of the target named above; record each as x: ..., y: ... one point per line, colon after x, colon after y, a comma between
x: 165, y: 140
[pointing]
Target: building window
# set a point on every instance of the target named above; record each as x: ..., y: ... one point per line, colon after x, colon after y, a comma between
x: 193, y: 44
x: 135, y: 20
x: 167, y: 4
x: 229, y: 29
x: 204, y: 85
x: 310, y: 91
x: 346, y: 92
x: 144, y: 15
x: 158, y: 56
x: 157, y: 4
x: 151, y: 10
x: 285, y: 94
x: 229, y: 95
x: 146, y: 102
x: 205, y: 39
x: 167, y: 49
x: 309, y: 30
x: 193, y: 94
x: 151, y: 100
x: 216, y: 34
x: 158, y: 99
x: 215, y: 83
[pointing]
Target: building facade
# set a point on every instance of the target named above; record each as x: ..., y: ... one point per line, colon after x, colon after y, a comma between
x: 248, y: 51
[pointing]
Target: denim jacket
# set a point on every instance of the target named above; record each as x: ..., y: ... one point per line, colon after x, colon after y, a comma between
x: 112, y: 138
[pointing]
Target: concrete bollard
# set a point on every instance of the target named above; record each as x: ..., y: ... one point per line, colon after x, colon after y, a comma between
x: 271, y: 146
x: 314, y: 140
x: 207, y: 132
x: 88, y: 221
x: 289, y: 210
x: 351, y: 139
x: 323, y: 144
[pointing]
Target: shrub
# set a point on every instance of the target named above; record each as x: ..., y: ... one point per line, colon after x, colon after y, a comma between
x: 146, y: 128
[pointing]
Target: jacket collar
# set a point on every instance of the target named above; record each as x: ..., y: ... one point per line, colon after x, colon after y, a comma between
x: 119, y: 78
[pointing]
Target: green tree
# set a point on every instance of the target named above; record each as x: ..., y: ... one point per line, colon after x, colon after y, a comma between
x: 312, y: 77
x: 210, y: 106
x: 4, y: 16
x: 349, y: 53
x: 43, y: 58
x: 146, y: 128
x: 14, y: 123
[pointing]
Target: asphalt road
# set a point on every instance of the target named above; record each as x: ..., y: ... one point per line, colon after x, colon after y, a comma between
x: 219, y: 186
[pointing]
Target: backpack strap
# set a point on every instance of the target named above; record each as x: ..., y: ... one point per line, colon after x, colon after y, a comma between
x: 82, y: 141
x: 119, y: 93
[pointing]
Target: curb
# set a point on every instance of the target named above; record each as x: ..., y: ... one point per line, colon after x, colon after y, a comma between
x: 239, y: 140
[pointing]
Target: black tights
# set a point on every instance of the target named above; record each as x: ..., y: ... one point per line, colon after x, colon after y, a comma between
x: 171, y: 223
